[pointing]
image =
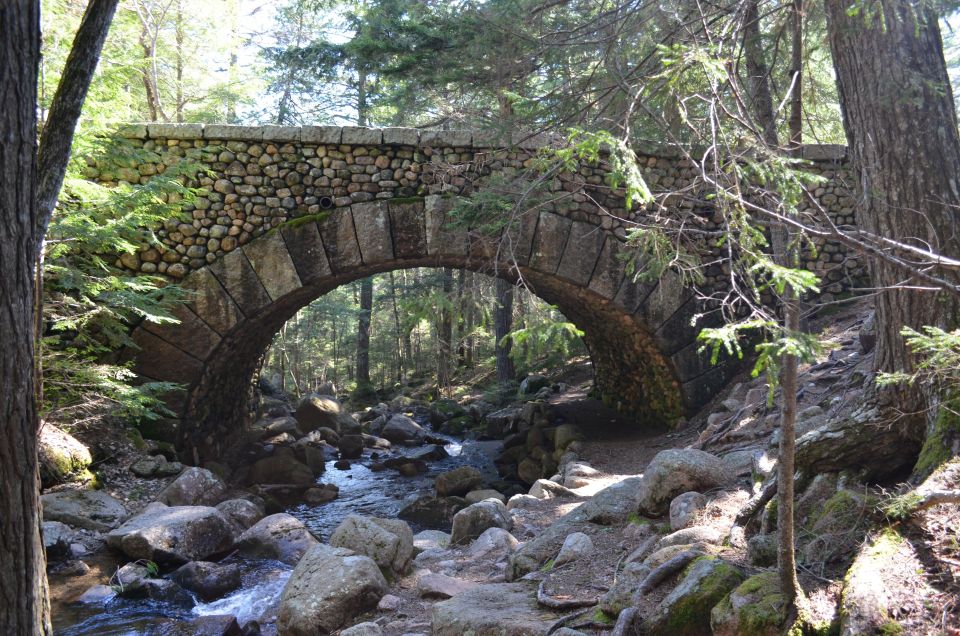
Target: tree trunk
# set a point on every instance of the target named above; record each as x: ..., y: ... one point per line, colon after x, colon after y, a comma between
x: 363, y: 333
x: 502, y: 324
x: 24, y: 601
x: 901, y: 126
x: 57, y: 136
x: 786, y: 555
x: 445, y: 333
x: 398, y: 329
x: 761, y: 101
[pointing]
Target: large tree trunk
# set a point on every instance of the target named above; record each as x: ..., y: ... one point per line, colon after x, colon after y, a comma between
x: 901, y: 127
x: 24, y: 602
x: 363, y: 333
x: 445, y: 334
x: 502, y: 323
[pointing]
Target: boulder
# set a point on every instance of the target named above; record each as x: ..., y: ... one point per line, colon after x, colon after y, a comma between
x: 207, y: 580
x: 458, y: 482
x: 148, y: 466
x: 280, y: 469
x: 685, y: 611
x: 578, y: 474
x: 280, y: 536
x: 756, y: 607
x: 174, y: 534
x: 529, y: 470
x: 88, y: 509
x: 400, y: 429
x: 62, y: 456
x: 362, y: 629
x: 565, y: 435
x: 499, y: 609
x: 212, y: 625
x: 327, y: 589
x: 533, y: 383
x: 475, y: 496
x: 240, y: 512
x: 762, y: 550
x: 97, y: 595
x: 389, y: 542
x: 432, y: 585
x: 546, y: 489
x: 470, y: 523
x: 322, y: 494
x: 350, y: 446
x: 684, y: 507
x: 576, y: 546
x: 194, y: 487
x: 57, y: 538
x: 871, y: 584
x: 675, y: 471
x: 493, y: 541
x: 280, y: 425
x: 316, y: 411
x: 694, y: 535
x: 433, y: 512
x: 430, y: 540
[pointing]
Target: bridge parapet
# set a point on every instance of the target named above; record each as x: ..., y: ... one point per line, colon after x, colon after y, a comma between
x: 256, y: 178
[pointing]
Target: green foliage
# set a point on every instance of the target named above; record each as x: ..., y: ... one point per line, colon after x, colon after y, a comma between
x: 89, y: 302
x: 549, y: 342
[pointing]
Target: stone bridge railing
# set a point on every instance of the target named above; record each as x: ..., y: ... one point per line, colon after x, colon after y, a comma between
x: 258, y: 178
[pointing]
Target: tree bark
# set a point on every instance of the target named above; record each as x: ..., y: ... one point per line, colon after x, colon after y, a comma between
x: 363, y: 332
x: 502, y: 324
x: 786, y: 555
x: 24, y: 600
x: 901, y: 126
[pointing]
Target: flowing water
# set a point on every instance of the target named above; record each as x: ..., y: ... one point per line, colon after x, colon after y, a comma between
x: 362, y: 491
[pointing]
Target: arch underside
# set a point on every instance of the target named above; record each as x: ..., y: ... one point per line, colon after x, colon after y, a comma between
x: 639, y: 334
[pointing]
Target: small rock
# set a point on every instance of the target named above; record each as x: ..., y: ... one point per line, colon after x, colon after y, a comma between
x: 97, y: 595
x: 363, y: 629
x: 575, y: 546
x: 684, y: 507
x: 342, y: 465
x: 546, y: 489
x: 470, y: 523
x: 240, y: 512
x: 493, y: 541
x: 322, y: 494
x: 208, y: 580
x: 695, y: 535
x: 400, y: 429
x: 430, y: 540
x: 389, y: 603
x: 441, y: 586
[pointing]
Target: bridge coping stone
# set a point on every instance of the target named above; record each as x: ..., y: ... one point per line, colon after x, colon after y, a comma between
x: 394, y: 136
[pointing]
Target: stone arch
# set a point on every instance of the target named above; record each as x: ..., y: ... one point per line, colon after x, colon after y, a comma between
x: 639, y: 335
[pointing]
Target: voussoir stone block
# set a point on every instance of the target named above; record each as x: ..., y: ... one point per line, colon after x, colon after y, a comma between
x: 372, y: 223
x: 271, y: 261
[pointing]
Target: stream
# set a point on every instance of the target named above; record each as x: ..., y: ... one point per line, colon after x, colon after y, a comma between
x: 362, y: 491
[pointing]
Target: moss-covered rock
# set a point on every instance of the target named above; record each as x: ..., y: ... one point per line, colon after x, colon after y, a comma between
x: 62, y: 457
x: 686, y: 610
x: 833, y: 531
x: 942, y: 443
x: 863, y: 602
x: 755, y: 608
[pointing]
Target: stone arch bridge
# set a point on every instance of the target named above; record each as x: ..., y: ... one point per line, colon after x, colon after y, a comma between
x: 289, y: 213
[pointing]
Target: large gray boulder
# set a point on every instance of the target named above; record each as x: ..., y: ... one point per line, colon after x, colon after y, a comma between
x: 500, y: 609
x: 328, y: 588
x: 458, y: 482
x: 174, y: 534
x: 675, y: 471
x: 400, y: 429
x: 316, y: 411
x: 472, y: 521
x: 62, y: 456
x: 56, y: 540
x: 87, y: 509
x: 280, y: 536
x: 194, y: 487
x: 389, y: 542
